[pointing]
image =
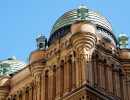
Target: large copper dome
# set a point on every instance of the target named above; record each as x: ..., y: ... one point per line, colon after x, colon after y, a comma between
x: 62, y: 25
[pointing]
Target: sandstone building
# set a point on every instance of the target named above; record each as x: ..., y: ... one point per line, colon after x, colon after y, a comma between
x: 80, y: 61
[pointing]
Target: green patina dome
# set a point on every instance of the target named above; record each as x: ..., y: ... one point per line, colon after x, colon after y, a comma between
x: 73, y: 16
x: 11, y: 66
x: 82, y: 13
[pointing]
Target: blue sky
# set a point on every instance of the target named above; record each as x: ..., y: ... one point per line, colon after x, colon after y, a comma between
x: 22, y: 21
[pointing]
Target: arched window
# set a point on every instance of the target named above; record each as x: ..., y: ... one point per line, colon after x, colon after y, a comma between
x: 20, y: 95
x: 27, y: 93
x: 14, y: 98
x: 40, y: 45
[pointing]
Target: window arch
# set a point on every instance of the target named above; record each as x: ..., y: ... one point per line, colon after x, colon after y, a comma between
x: 14, y: 97
x: 20, y: 95
x: 27, y: 93
x: 40, y: 45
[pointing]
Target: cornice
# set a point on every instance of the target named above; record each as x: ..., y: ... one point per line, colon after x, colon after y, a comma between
x: 87, y: 87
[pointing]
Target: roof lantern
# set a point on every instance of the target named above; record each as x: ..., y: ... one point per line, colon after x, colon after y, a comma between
x: 82, y: 12
x: 123, y: 40
x: 11, y: 66
x: 41, y: 42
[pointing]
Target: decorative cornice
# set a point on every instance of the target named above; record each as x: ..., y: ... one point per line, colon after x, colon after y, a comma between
x: 90, y: 88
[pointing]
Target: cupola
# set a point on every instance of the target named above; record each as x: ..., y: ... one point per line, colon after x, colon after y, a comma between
x: 123, y: 40
x: 41, y: 42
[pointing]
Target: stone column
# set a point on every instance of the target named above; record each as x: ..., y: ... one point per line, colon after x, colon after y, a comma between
x: 128, y: 89
x: 124, y: 88
x: 66, y: 78
x: 43, y: 96
x: 77, y: 72
x: 50, y: 85
x: 84, y: 70
x: 24, y: 95
x: 17, y: 98
x: 101, y: 76
x: 54, y: 84
x: 80, y: 72
x: 95, y: 73
x: 117, y: 88
x: 59, y: 82
x: 30, y: 94
x: 91, y: 73
x: 38, y: 87
x: 109, y: 80
x: 73, y: 73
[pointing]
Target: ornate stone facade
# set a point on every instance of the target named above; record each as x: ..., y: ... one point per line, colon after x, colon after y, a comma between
x: 82, y: 65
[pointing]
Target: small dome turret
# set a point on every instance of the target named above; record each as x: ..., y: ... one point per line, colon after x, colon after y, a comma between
x: 41, y: 42
x: 123, y: 40
x: 82, y: 12
x: 11, y: 66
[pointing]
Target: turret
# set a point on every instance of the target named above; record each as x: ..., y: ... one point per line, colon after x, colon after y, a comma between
x: 82, y: 12
x: 123, y: 40
x: 37, y: 56
x: 41, y: 42
x: 5, y: 69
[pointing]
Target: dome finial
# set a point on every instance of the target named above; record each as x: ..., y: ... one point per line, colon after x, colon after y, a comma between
x: 82, y: 7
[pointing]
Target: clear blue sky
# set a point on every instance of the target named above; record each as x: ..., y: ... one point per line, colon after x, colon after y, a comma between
x: 22, y: 21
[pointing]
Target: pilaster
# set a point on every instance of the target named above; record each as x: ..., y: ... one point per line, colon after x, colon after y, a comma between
x: 59, y: 82
x: 73, y: 73
x: 128, y: 89
x: 91, y: 73
x: 124, y: 88
x: 43, y: 96
x: 50, y: 85
x: 84, y: 66
x: 95, y: 73
x: 66, y: 77
x: 77, y: 72
x: 24, y: 96
x: 117, y: 85
x: 30, y: 94
x: 101, y: 76
x: 109, y: 80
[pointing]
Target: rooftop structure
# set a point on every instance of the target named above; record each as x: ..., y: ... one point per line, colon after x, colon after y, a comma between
x: 11, y: 66
x: 62, y: 25
x: 123, y: 40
